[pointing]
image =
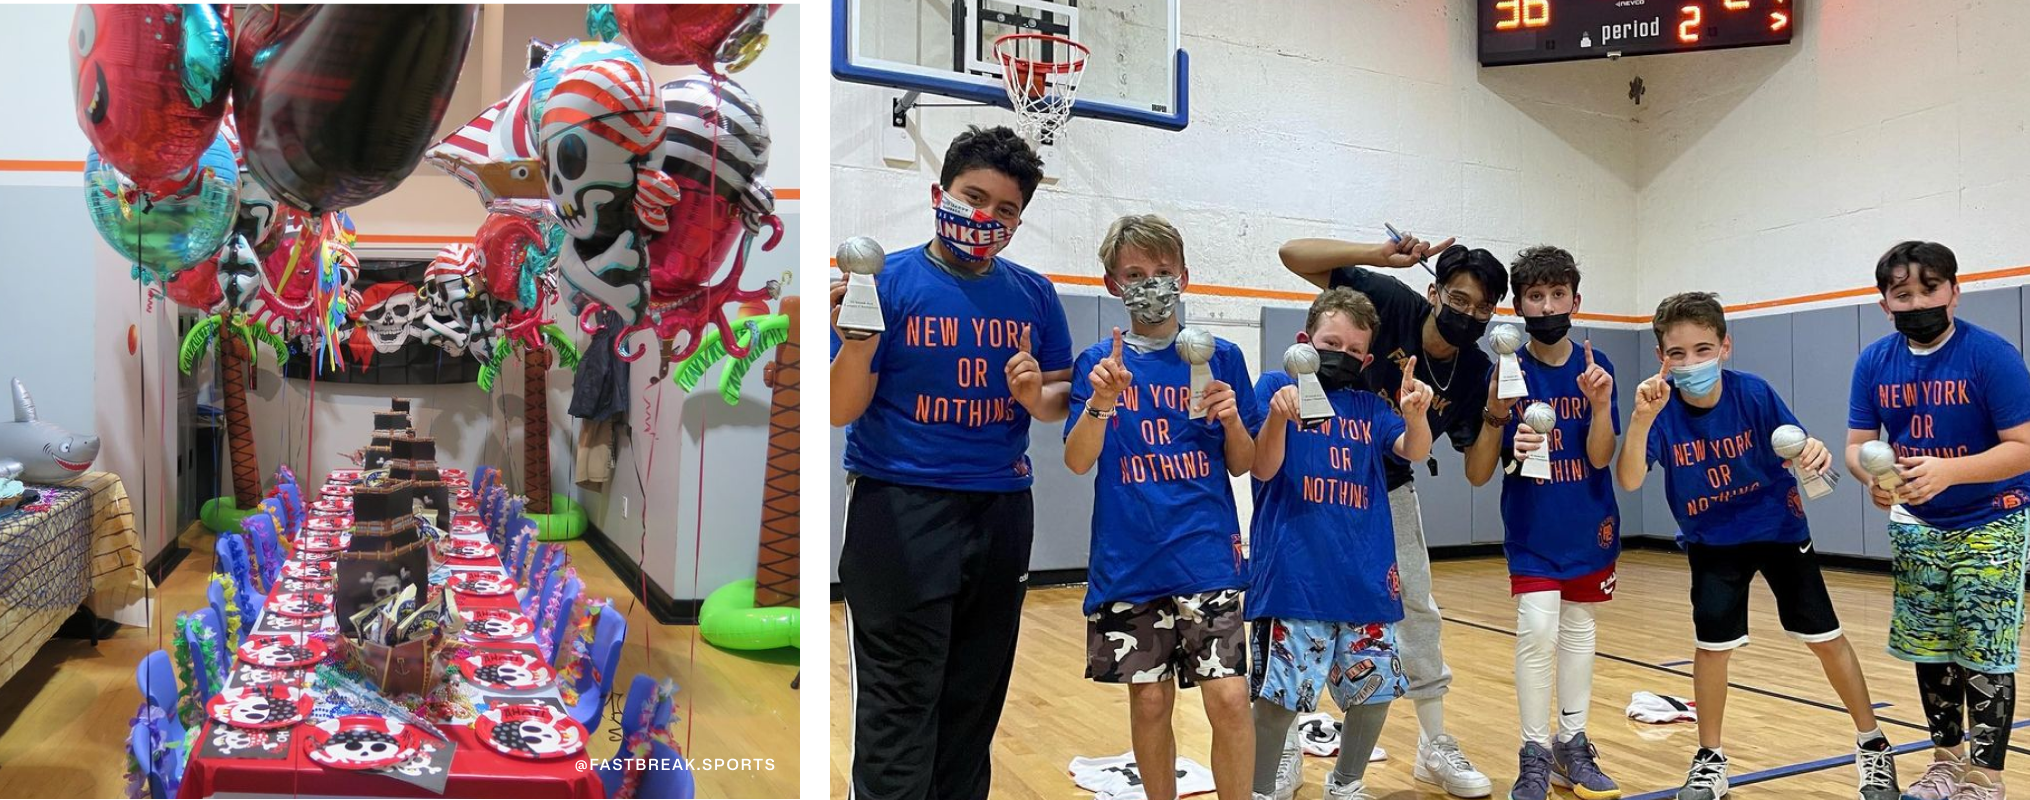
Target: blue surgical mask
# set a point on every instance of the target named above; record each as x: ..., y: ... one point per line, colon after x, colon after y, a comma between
x: 1698, y: 379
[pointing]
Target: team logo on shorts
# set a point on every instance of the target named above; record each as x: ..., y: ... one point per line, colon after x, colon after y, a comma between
x: 2012, y: 500
x: 1395, y: 583
x: 1607, y: 533
x: 1796, y: 504
x: 1607, y: 586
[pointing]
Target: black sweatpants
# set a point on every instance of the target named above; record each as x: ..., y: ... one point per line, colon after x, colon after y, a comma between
x: 934, y: 581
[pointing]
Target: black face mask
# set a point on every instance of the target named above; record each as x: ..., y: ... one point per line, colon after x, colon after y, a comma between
x: 1923, y: 326
x: 1457, y: 329
x: 1549, y: 328
x: 1337, y: 370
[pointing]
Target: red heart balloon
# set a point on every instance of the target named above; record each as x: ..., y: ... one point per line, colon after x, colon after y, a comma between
x: 682, y: 34
x: 197, y: 287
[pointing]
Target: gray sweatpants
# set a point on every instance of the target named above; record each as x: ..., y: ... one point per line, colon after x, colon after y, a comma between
x: 1423, y: 657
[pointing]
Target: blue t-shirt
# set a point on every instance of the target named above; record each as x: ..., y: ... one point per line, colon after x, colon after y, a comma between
x: 1725, y: 484
x: 1950, y: 403
x: 1569, y: 525
x: 1324, y: 544
x: 1164, y: 519
x: 941, y: 416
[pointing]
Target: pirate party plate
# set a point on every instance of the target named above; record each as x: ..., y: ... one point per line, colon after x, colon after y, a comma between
x: 332, y: 506
x: 249, y: 675
x: 276, y: 650
x: 359, y: 742
x: 343, y: 476
x: 455, y: 548
x: 451, y: 473
x: 484, y: 584
x: 277, y: 622
x: 313, y: 557
x: 466, y: 519
x: 311, y: 571
x: 469, y: 534
x: 306, y: 585
x: 465, y: 505
x: 306, y: 605
x: 337, y: 524
x: 464, y: 495
x: 495, y: 624
x: 506, y: 670
x: 322, y: 544
x: 531, y: 731
x: 266, y: 705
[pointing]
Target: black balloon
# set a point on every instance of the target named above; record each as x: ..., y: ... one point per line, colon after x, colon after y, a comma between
x: 336, y: 103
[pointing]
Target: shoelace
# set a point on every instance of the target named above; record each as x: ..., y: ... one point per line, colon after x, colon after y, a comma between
x: 1877, y: 768
x: 1538, y: 769
x: 1706, y: 774
x: 1453, y: 758
x: 1584, y: 762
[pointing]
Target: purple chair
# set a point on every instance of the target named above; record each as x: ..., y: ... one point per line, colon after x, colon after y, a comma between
x: 266, y: 545
x: 156, y: 678
x: 658, y: 783
x: 289, y: 499
x: 160, y: 754
x: 609, y: 632
x: 210, y: 677
x: 567, y: 594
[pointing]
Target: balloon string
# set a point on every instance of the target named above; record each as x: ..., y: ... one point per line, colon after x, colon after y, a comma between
x: 698, y: 524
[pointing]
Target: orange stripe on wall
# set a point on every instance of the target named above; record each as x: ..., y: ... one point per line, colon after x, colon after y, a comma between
x: 20, y: 165
x: 393, y: 238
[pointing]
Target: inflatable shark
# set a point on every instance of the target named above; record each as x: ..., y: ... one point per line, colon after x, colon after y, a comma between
x: 41, y: 452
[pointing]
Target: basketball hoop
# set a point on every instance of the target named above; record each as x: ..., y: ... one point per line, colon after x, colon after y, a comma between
x: 1041, y: 73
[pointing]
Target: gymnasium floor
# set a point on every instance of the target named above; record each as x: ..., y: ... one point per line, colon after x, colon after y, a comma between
x: 63, y: 718
x: 1781, y: 716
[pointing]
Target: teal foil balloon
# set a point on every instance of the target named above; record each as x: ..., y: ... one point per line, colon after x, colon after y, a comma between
x: 207, y: 55
x: 600, y: 23
x: 167, y: 233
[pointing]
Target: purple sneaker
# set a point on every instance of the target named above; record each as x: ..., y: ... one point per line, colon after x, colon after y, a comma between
x: 1576, y: 770
x: 1533, y: 776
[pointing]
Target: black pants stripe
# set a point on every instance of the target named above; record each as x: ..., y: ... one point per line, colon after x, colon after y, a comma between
x: 934, y: 582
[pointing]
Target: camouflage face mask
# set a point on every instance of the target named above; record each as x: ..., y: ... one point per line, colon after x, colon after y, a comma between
x: 1152, y: 300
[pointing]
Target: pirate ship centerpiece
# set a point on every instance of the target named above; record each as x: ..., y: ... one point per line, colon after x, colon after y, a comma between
x: 412, y: 459
x: 393, y: 629
x: 386, y: 425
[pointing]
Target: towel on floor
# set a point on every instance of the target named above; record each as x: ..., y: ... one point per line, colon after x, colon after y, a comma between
x: 1116, y: 778
x: 1661, y: 709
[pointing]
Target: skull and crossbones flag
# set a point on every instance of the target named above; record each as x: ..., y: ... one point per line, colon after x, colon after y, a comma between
x: 408, y: 326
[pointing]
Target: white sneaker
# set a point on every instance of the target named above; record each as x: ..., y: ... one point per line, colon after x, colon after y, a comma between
x: 1356, y: 790
x: 1440, y: 762
x: 1378, y: 755
x: 1290, y: 770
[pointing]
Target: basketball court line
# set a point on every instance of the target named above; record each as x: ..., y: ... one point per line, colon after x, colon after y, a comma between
x: 1801, y: 768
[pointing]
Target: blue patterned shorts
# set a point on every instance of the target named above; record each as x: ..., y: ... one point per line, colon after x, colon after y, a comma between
x: 1959, y: 593
x: 1294, y: 659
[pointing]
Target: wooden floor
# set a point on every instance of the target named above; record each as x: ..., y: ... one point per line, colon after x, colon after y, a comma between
x: 63, y: 718
x: 1781, y: 713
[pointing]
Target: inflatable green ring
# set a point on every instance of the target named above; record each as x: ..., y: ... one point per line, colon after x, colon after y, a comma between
x: 221, y: 514
x: 730, y: 620
x: 565, y: 521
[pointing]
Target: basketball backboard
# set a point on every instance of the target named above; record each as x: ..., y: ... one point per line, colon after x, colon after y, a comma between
x: 1136, y: 73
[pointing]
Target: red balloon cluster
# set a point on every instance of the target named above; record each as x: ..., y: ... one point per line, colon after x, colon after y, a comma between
x: 717, y: 38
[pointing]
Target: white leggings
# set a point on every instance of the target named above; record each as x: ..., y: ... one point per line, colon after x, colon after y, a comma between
x: 1546, y: 624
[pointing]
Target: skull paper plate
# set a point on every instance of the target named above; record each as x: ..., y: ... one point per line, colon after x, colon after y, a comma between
x: 306, y: 585
x: 451, y: 473
x: 265, y: 705
x: 328, y: 543
x: 304, y: 555
x: 531, y: 731
x: 467, y: 549
x: 249, y: 675
x: 359, y: 742
x: 332, y: 506
x: 465, y: 494
x: 307, y: 605
x: 343, y: 476
x: 466, y: 519
x: 274, y: 650
x: 465, y: 505
x: 335, y: 524
x: 479, y: 583
x: 310, y: 571
x: 506, y: 670
x: 336, y: 490
x: 495, y: 624
x: 277, y: 622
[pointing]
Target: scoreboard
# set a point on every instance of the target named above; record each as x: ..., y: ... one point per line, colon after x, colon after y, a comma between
x: 1536, y: 31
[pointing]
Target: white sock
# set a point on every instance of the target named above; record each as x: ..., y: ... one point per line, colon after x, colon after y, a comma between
x: 1430, y: 719
x: 1536, y: 644
x: 1865, y: 737
x: 1575, y: 668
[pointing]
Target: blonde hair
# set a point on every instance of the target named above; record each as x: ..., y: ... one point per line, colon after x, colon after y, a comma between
x: 1356, y: 307
x: 1145, y: 232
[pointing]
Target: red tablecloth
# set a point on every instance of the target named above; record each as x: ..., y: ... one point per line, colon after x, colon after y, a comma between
x: 476, y: 770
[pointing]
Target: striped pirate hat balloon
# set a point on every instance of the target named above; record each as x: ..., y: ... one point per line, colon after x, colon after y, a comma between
x: 700, y: 110
x: 612, y: 99
x: 495, y: 154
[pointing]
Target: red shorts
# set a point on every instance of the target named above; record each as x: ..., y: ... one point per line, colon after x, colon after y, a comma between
x: 1597, y: 587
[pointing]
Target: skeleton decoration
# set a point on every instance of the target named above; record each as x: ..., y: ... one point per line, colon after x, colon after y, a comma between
x: 420, y: 764
x: 387, y: 319
x: 232, y: 740
x: 360, y: 742
x: 385, y: 584
x: 446, y: 289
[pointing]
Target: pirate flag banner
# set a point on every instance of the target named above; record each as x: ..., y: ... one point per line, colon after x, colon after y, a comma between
x: 410, y: 325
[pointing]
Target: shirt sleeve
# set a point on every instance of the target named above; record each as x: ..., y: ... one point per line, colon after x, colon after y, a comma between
x: 1393, y: 300
x: 1780, y: 411
x: 1653, y: 449
x: 1233, y: 371
x: 1052, y: 338
x: 1391, y: 426
x: 1265, y: 391
x: 1081, y: 388
x: 1861, y: 412
x: 2006, y: 388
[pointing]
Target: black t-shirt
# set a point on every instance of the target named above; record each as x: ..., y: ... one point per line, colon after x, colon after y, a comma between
x: 1459, y: 387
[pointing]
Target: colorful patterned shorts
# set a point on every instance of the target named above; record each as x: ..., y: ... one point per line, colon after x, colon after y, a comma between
x: 1959, y: 593
x: 1294, y: 659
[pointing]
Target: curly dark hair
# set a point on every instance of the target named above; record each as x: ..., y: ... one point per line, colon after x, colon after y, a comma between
x: 1543, y: 265
x: 1933, y: 262
x: 1698, y: 308
x: 999, y: 149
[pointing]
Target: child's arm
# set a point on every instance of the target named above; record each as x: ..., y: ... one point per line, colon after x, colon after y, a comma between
x: 1414, y: 398
x: 854, y: 373
x: 1925, y: 476
x: 1598, y: 386
x: 1650, y: 398
x: 1268, y: 458
x: 1222, y: 408
x: 1485, y: 453
x: 1855, y: 438
x: 1101, y: 392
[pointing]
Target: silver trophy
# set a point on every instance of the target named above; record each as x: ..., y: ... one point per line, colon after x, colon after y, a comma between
x: 1301, y: 360
x: 1879, y: 460
x: 1788, y: 442
x: 1195, y: 346
x: 1506, y: 340
x: 860, y: 311
x: 1541, y: 419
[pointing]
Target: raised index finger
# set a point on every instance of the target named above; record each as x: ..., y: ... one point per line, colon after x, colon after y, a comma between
x: 1117, y: 344
x: 1022, y: 341
x: 1589, y: 351
x: 1409, y: 371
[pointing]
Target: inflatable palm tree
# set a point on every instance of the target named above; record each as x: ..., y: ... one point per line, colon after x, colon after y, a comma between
x: 235, y: 336
x: 551, y: 345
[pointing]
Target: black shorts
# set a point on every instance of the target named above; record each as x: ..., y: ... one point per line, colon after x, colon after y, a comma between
x: 1722, y: 574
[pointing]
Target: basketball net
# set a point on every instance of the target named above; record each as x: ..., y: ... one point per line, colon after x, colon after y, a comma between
x: 1041, y: 73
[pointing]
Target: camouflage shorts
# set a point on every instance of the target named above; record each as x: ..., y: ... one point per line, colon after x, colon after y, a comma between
x: 1196, y: 637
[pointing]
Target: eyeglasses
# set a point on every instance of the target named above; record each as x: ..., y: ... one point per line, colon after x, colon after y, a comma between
x: 1459, y: 303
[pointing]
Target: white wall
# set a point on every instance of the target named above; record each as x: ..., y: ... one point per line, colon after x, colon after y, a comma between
x: 1782, y: 172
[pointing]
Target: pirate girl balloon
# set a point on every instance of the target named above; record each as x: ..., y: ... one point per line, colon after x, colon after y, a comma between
x: 270, y: 650
x: 264, y: 705
x: 506, y: 670
x: 359, y: 741
x: 531, y: 731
